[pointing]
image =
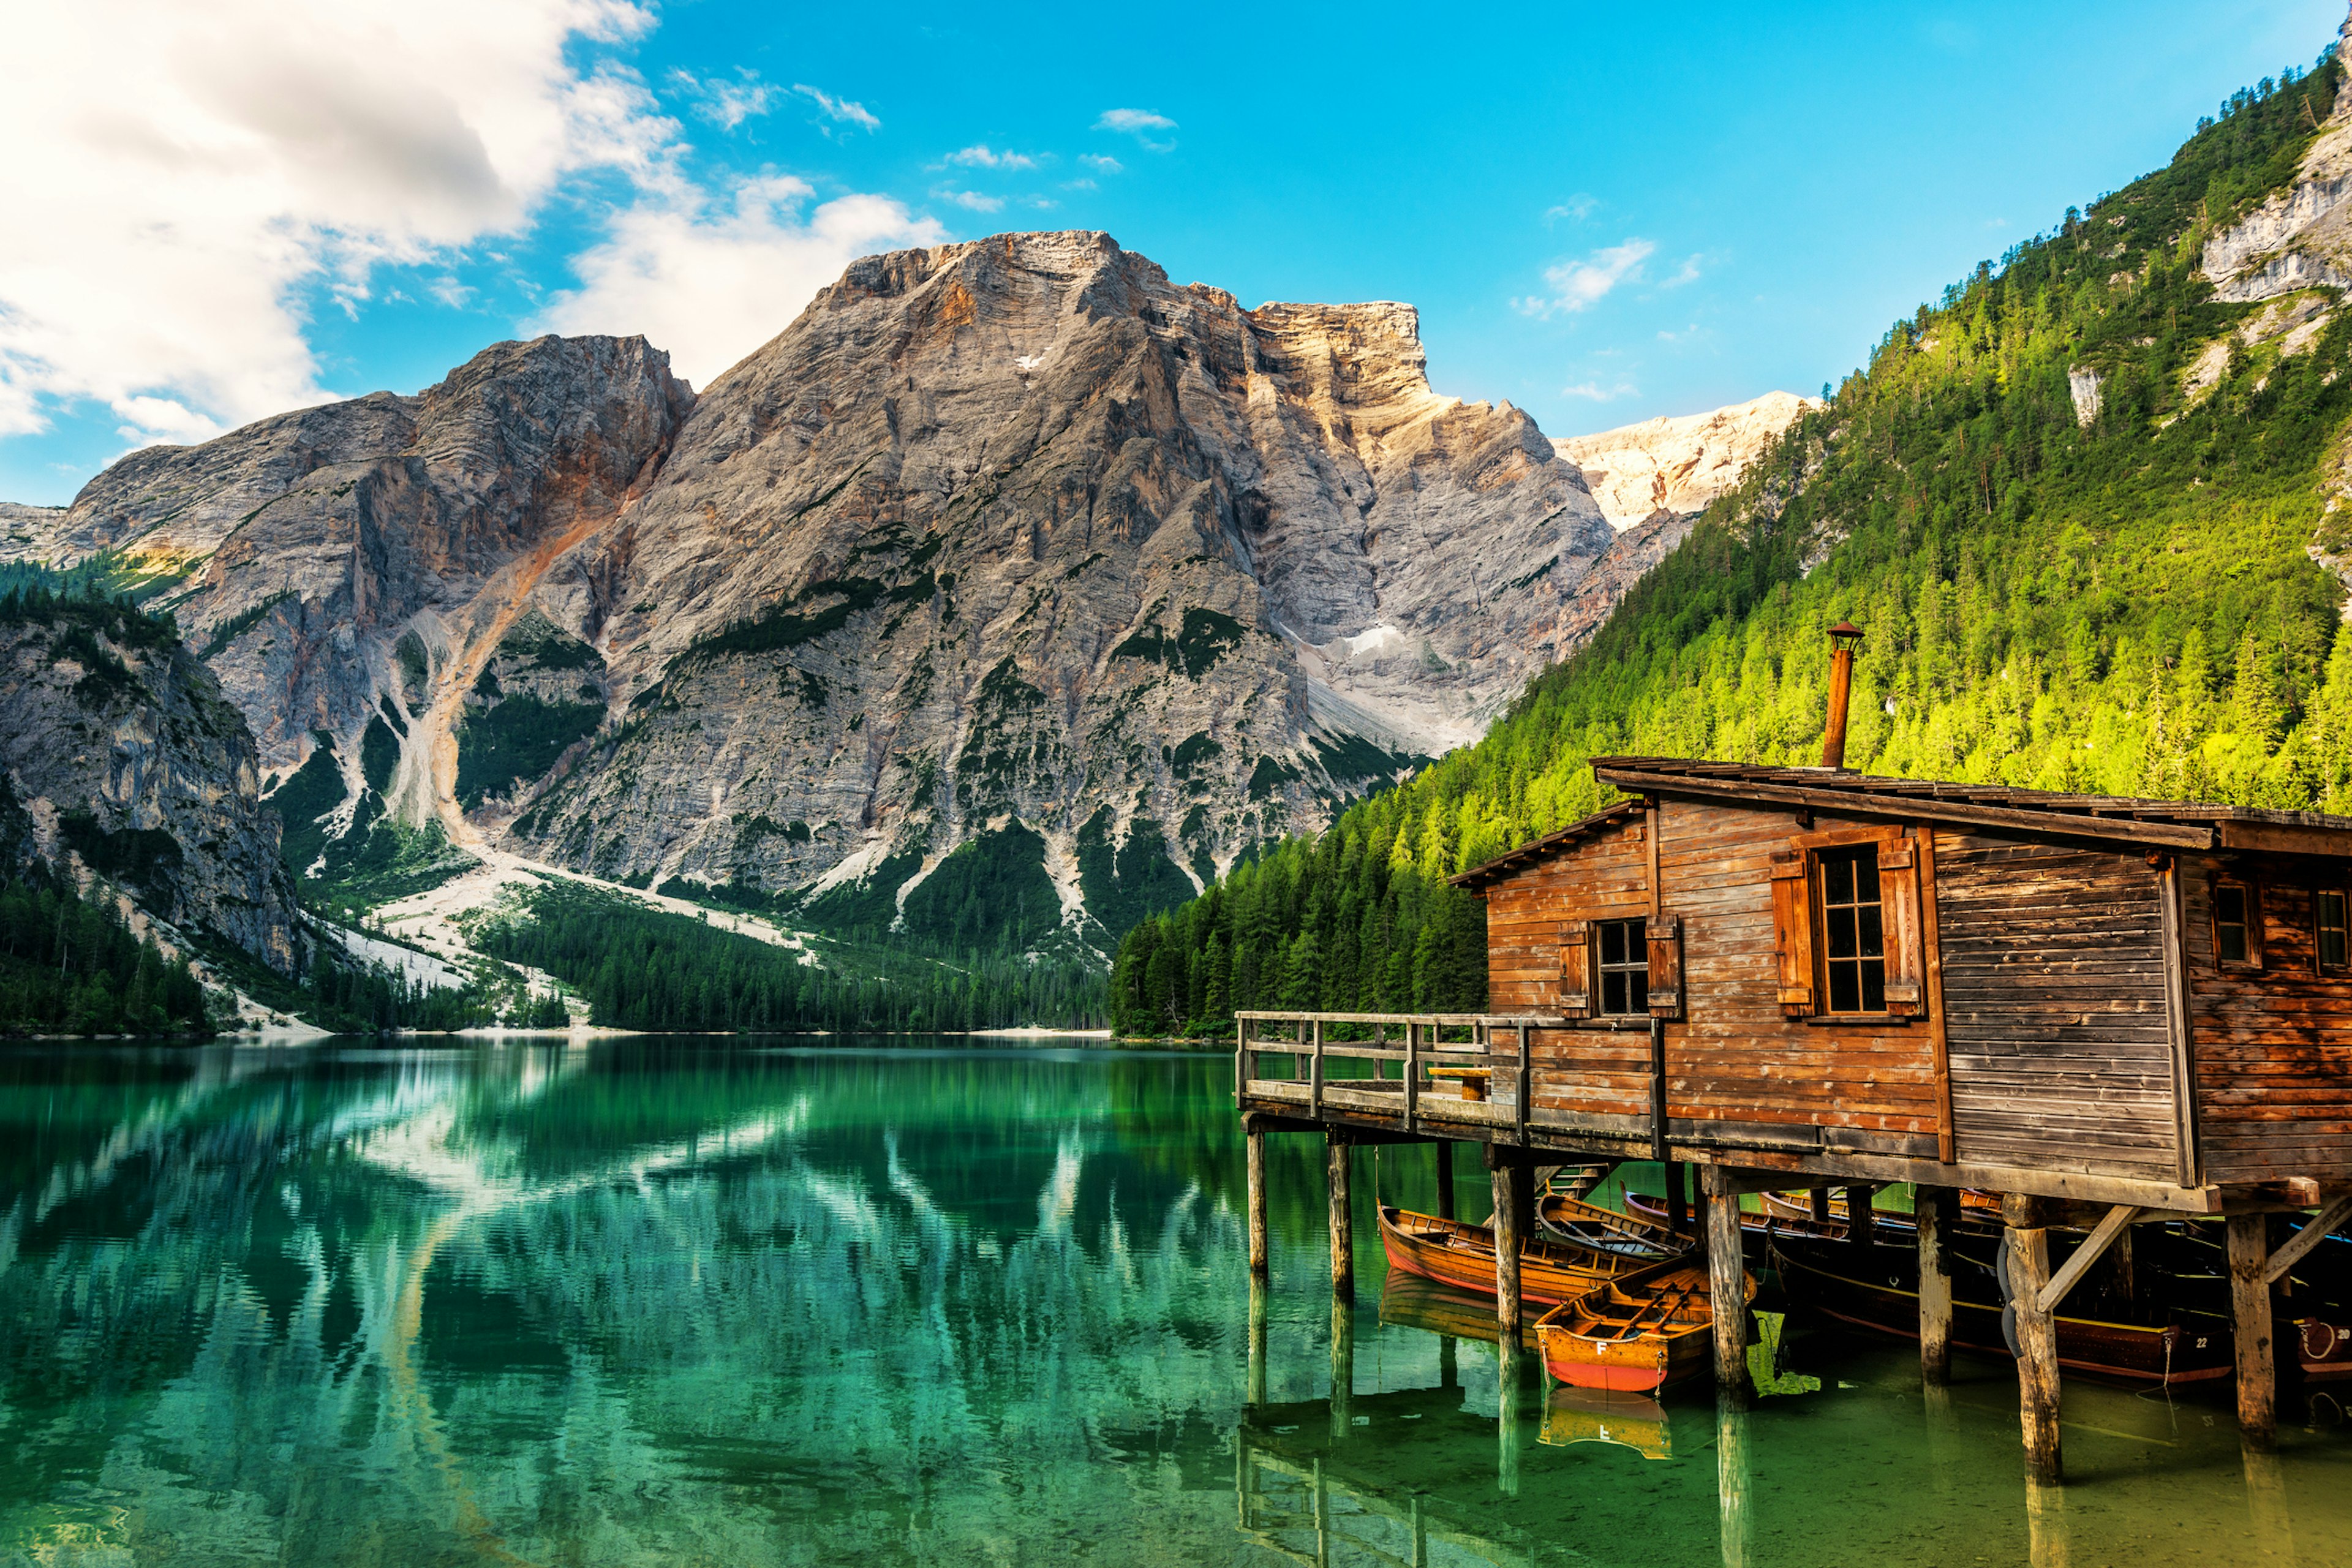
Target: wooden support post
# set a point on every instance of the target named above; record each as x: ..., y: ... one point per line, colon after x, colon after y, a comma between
x: 1677, y: 1196
x: 1860, y: 1219
x: 1343, y: 1367
x: 2037, y: 1337
x: 1343, y: 1227
x: 1510, y: 1378
x: 1257, y: 1320
x: 1257, y: 1199
x: 1727, y: 1282
x: 1732, y: 1485
x: 1821, y: 1214
x: 1938, y: 1208
x: 2249, y: 1306
x: 1444, y: 1178
x: 1509, y: 1179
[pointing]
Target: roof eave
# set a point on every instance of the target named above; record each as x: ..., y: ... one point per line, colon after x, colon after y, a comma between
x: 1847, y: 801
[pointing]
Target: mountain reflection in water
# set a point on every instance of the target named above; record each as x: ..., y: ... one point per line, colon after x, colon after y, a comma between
x: 678, y: 1300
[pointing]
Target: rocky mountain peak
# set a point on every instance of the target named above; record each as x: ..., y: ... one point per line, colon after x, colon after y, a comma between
x: 1011, y: 576
x: 1677, y: 464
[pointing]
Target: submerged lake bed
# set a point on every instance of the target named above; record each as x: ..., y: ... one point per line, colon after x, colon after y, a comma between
x: 685, y: 1300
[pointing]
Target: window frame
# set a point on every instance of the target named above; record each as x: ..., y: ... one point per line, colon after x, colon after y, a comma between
x: 1859, y: 855
x: 2319, y: 963
x: 1637, y: 949
x: 2251, y: 961
x: 1903, y: 938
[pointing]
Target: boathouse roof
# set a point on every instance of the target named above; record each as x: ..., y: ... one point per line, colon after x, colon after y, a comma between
x: 2158, y: 823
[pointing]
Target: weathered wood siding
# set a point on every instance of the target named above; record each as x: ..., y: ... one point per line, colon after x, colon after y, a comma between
x: 1597, y: 1073
x: 1736, y: 1059
x: 1732, y: 1060
x: 2055, y: 1007
x: 2273, y: 1047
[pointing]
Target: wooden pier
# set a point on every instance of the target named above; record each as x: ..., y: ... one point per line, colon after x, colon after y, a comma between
x: 2106, y: 1011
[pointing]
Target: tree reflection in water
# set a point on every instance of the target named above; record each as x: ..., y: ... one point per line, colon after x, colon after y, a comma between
x: 513, y: 1302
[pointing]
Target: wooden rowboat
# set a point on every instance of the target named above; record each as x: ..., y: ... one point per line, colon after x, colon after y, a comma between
x: 1871, y: 1294
x: 1462, y: 1256
x: 1754, y: 1224
x: 1976, y: 1208
x: 1574, y: 1220
x: 1636, y: 1334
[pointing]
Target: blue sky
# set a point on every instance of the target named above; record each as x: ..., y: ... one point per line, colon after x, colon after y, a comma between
x: 1603, y: 213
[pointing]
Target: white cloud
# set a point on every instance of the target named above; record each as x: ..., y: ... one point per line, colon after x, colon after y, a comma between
x: 979, y: 156
x: 1689, y: 272
x: 710, y: 284
x: 1137, y: 123
x: 727, y: 104
x: 840, y: 111
x: 1578, y: 206
x: 185, y: 173
x: 1594, y: 392
x: 971, y: 200
x: 1098, y: 162
x: 1581, y: 285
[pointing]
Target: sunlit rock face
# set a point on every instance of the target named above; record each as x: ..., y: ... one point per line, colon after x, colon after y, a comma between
x: 2301, y: 237
x: 1016, y: 544
x: 1020, y: 535
x: 1678, y: 465
x: 127, y: 771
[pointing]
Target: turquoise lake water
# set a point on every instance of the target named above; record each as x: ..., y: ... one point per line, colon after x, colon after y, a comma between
x: 678, y: 1301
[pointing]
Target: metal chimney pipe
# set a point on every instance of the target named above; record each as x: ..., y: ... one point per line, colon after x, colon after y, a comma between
x: 1843, y: 636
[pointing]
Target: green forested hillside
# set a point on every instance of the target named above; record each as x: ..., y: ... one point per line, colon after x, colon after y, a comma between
x: 2121, y: 600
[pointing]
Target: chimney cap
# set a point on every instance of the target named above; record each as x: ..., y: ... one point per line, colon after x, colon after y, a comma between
x: 1846, y: 631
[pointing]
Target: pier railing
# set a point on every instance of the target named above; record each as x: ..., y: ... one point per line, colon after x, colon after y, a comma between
x: 1456, y: 1067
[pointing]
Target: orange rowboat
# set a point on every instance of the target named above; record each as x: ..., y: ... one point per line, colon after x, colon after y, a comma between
x: 1636, y: 1334
x: 1462, y: 1256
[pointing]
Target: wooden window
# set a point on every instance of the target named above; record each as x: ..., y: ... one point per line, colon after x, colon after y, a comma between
x: 1846, y: 926
x: 1854, y: 930
x: 2237, y: 926
x: 1625, y: 968
x: 2332, y: 913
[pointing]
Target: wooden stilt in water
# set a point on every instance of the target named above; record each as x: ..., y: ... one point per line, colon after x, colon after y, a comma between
x: 1821, y: 1205
x: 1860, y: 1220
x: 1509, y: 1181
x: 1938, y: 1208
x: 2045, y: 1525
x: 1257, y: 1243
x: 1444, y: 1178
x: 1343, y: 1222
x: 1677, y: 1199
x: 1727, y: 1276
x: 1510, y: 1375
x: 1343, y: 1367
x: 2250, y: 1307
x: 1731, y: 1479
x: 1258, y: 1317
x: 2028, y: 1241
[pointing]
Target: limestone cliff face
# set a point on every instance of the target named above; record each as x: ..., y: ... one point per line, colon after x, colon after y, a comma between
x: 2302, y: 237
x: 132, y: 768
x: 1020, y: 537
x: 1013, y: 544
x: 1678, y: 465
x: 306, y: 547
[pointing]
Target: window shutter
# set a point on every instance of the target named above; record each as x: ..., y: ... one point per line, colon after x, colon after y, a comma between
x: 1665, y: 966
x: 1906, y: 953
x: 1576, y: 968
x: 1792, y: 930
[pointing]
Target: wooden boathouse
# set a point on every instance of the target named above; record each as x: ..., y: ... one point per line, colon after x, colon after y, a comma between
x: 2105, y: 1010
